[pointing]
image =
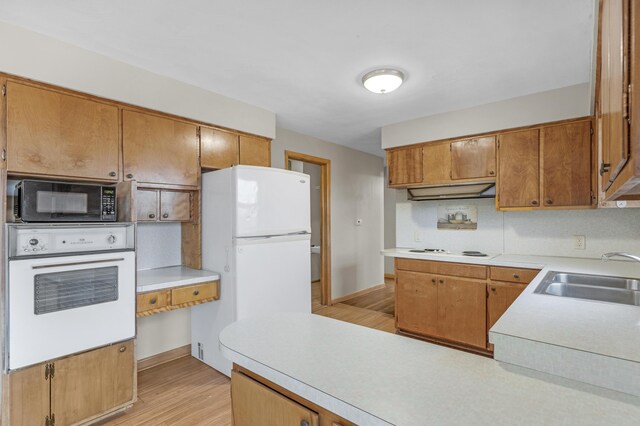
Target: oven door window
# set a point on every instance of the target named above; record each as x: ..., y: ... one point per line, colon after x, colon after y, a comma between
x: 58, y: 291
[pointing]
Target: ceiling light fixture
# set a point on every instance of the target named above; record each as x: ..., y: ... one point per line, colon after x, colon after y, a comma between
x: 383, y: 80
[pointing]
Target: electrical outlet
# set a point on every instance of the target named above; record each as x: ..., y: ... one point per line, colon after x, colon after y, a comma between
x: 417, y: 236
x: 579, y: 242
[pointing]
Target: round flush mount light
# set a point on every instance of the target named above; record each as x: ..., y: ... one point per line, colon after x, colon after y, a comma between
x: 383, y: 80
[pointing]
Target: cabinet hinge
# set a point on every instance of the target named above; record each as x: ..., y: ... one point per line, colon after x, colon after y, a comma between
x: 590, y: 130
x: 629, y: 97
x: 604, y: 168
x: 4, y: 90
x: 50, y: 420
x: 49, y: 371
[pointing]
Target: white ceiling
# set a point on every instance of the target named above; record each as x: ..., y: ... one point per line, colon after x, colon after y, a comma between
x: 303, y: 60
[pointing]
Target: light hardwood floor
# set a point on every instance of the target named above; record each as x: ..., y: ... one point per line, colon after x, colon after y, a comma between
x: 190, y: 393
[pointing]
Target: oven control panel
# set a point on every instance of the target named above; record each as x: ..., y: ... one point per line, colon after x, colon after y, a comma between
x: 42, y: 240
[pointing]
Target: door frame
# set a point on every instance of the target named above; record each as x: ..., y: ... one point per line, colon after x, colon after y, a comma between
x: 325, y: 218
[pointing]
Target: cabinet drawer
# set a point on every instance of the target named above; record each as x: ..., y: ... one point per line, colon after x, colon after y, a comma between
x: 442, y: 268
x: 514, y: 275
x: 194, y: 293
x: 152, y: 300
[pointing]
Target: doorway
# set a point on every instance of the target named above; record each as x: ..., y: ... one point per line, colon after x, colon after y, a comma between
x: 322, y: 190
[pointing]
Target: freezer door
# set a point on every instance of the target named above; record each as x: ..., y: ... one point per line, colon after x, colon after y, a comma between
x: 272, y: 275
x: 270, y: 201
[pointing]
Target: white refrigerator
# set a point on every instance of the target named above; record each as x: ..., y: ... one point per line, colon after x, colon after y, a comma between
x: 256, y: 234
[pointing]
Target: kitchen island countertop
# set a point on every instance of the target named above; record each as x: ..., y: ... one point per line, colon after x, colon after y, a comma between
x: 372, y: 377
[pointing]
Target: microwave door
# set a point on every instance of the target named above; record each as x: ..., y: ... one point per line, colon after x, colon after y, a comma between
x: 41, y: 201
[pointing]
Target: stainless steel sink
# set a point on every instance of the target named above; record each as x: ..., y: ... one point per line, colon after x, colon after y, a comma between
x: 591, y: 287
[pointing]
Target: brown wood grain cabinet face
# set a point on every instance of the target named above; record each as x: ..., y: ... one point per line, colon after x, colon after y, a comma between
x: 175, y: 206
x: 255, y: 404
x: 28, y: 396
x: 152, y: 300
x: 436, y: 163
x: 519, y: 169
x: 147, y: 203
x: 516, y: 275
x: 218, y: 149
x: 92, y: 383
x: 417, y: 302
x: 462, y: 310
x: 567, y: 165
x: 255, y: 151
x: 54, y: 134
x: 405, y: 166
x: 194, y: 293
x: 499, y: 297
x: 159, y: 150
x: 473, y: 158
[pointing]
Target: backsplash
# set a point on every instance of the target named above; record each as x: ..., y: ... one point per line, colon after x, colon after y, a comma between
x: 158, y: 245
x: 528, y: 232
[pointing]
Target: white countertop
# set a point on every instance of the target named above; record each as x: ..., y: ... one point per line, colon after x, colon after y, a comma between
x: 171, y: 276
x: 375, y: 378
x: 608, y: 329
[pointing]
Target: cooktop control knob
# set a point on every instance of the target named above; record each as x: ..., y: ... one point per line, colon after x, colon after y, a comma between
x: 111, y: 239
x: 34, y: 241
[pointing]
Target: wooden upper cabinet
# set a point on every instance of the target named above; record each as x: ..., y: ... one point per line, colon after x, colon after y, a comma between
x: 417, y: 302
x: 473, y: 158
x: 255, y: 151
x: 405, y: 166
x: 147, y: 203
x: 462, y: 310
x: 175, y: 206
x: 218, y: 148
x: 436, y: 163
x: 159, y: 150
x: 519, y: 169
x: 50, y: 133
x: 567, y: 165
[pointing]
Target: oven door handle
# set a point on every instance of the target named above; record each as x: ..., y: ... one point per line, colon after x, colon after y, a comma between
x: 88, y: 262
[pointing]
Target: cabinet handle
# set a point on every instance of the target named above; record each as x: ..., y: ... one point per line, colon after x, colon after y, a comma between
x: 493, y: 289
x: 516, y: 276
x: 304, y: 423
x: 129, y: 176
x: 433, y: 280
x: 112, y: 174
x: 196, y: 292
x: 165, y: 215
x: 549, y: 201
x: 491, y: 173
x: 441, y: 281
x: 153, y: 301
x: 151, y: 215
x: 534, y: 202
x: 122, y: 348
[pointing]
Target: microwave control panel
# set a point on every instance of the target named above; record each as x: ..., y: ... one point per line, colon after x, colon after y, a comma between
x: 108, y: 204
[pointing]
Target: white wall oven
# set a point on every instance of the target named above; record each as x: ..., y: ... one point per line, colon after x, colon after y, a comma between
x: 70, y: 288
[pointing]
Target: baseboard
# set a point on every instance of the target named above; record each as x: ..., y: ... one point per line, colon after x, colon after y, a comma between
x: 163, y: 357
x: 357, y: 293
x: 389, y: 276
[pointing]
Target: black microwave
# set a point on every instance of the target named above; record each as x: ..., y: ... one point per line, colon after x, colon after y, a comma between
x: 45, y: 201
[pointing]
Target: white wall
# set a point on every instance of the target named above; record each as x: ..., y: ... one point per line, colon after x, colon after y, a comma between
x: 45, y: 59
x: 530, y: 232
x: 158, y: 245
x: 389, y: 226
x: 356, y: 192
x: 558, y: 104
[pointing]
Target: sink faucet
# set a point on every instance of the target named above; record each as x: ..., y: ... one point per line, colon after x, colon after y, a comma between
x: 605, y: 257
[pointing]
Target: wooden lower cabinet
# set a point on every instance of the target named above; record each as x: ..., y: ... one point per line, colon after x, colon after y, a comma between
x: 462, y: 310
x: 168, y: 299
x: 257, y: 401
x: 499, y: 297
x: 72, y: 390
x: 417, y: 302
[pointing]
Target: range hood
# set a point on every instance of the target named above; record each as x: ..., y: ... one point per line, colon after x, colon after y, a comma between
x: 454, y: 191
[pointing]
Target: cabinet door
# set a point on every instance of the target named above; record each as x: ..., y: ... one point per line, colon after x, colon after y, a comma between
x: 28, y: 396
x: 55, y: 134
x: 405, y: 166
x: 92, y: 383
x: 519, y: 169
x: 500, y: 297
x: 255, y: 404
x: 159, y: 150
x: 436, y: 163
x: 473, y: 158
x: 566, y: 164
x: 175, y: 206
x: 462, y: 310
x: 417, y: 303
x: 614, y: 80
x: 218, y: 149
x: 147, y: 205
x: 255, y: 151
